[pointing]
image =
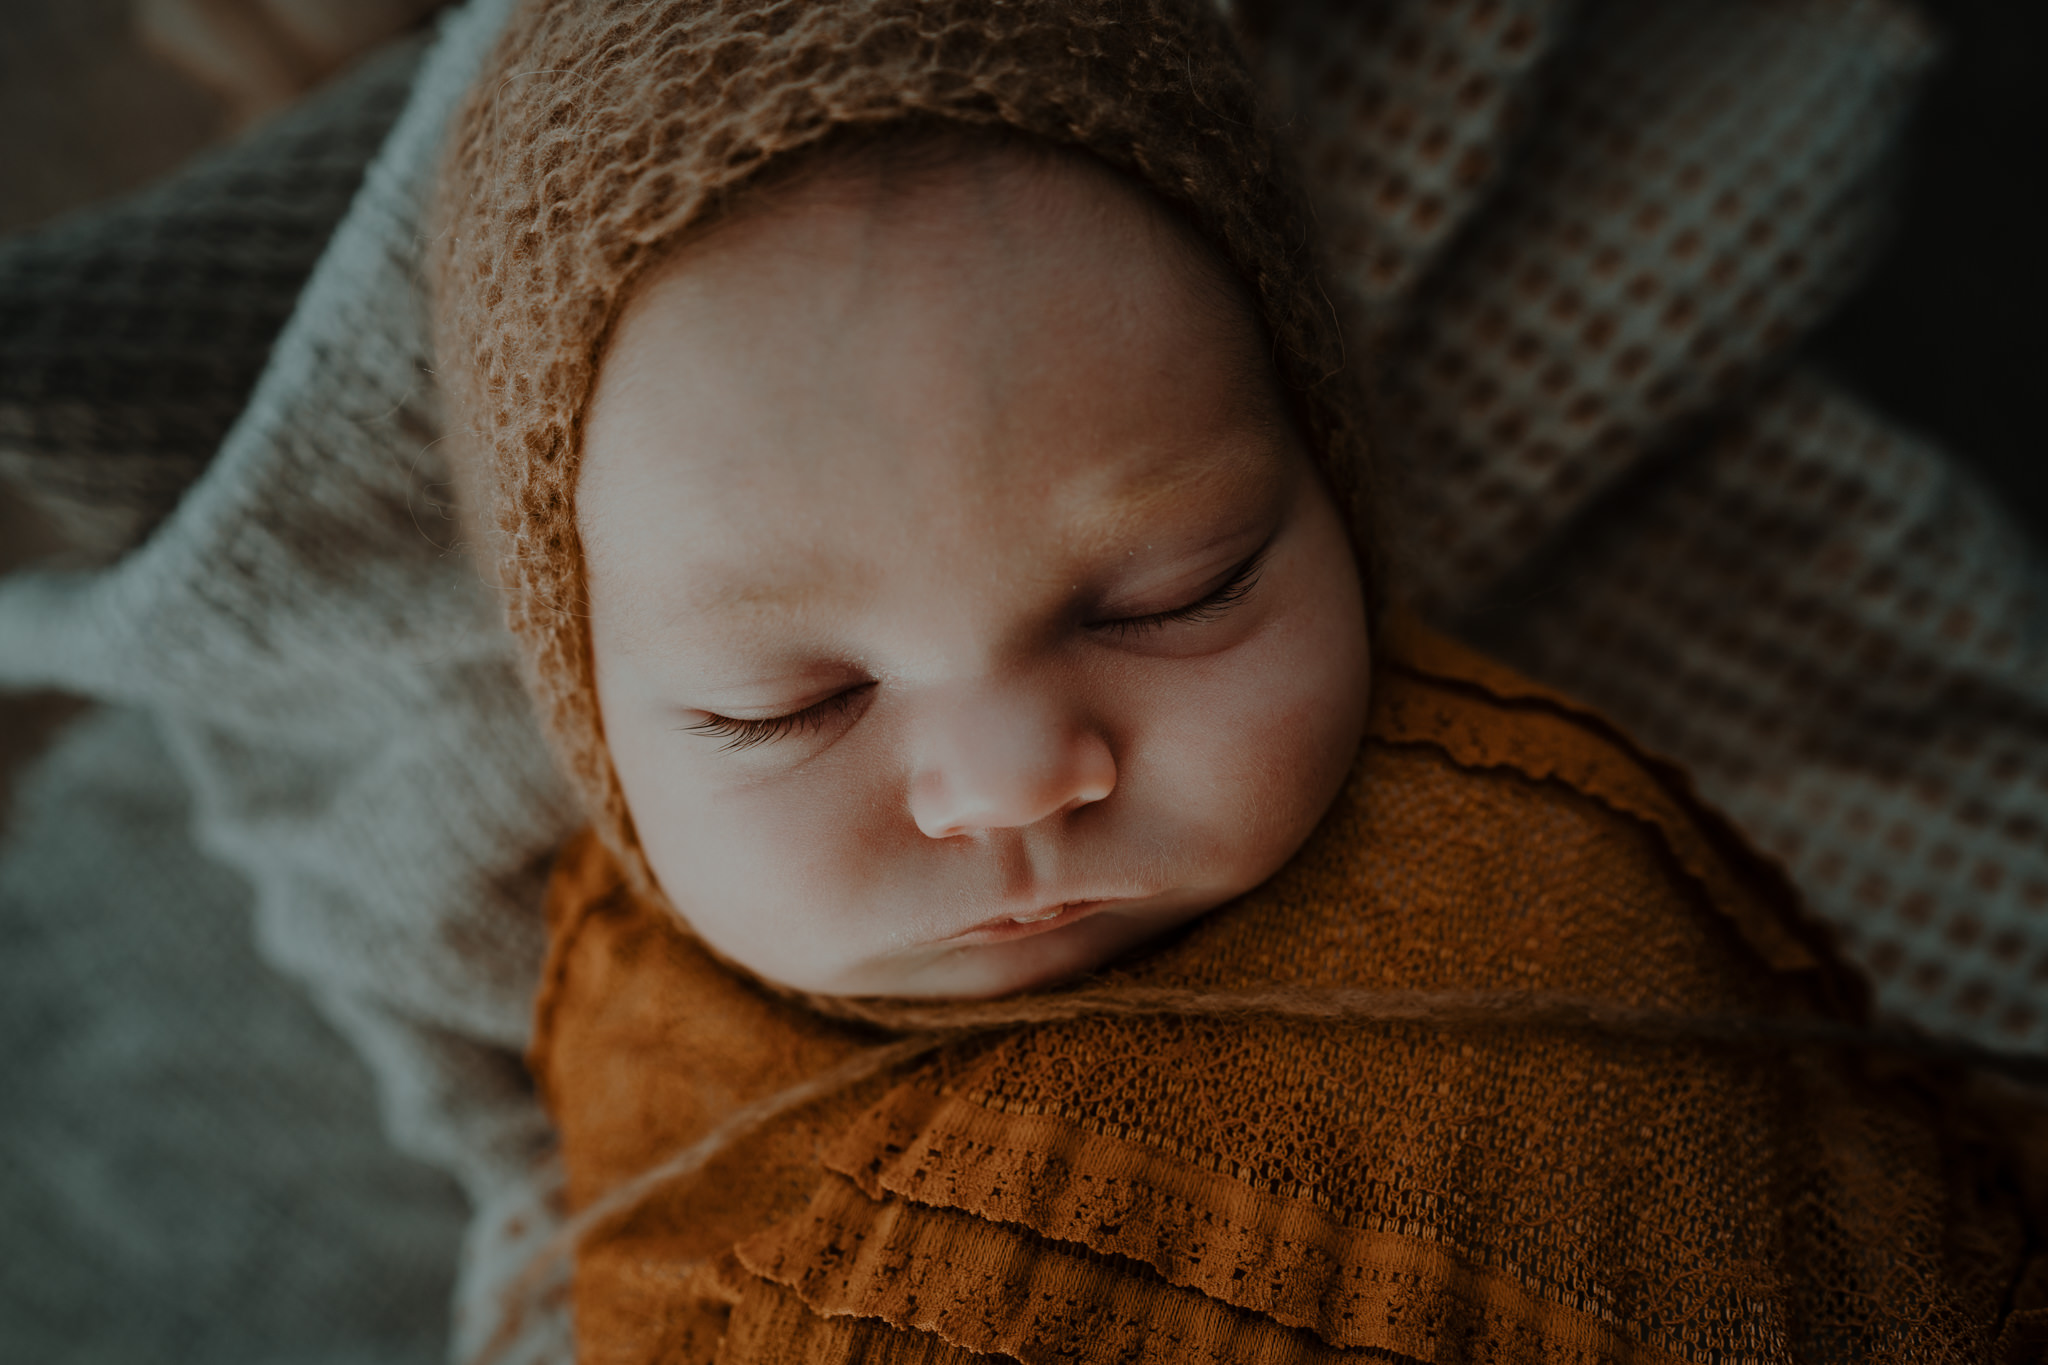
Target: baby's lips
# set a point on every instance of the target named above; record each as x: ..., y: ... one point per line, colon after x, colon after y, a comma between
x: 1011, y: 927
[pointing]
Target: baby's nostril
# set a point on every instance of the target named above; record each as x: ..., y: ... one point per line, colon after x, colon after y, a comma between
x: 1083, y: 799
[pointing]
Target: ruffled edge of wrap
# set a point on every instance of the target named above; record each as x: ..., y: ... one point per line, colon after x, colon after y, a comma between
x: 1430, y: 690
x: 1020, y: 1265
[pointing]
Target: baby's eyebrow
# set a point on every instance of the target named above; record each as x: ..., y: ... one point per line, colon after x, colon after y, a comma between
x: 731, y: 593
x: 742, y: 579
x: 769, y: 598
x: 1243, y: 479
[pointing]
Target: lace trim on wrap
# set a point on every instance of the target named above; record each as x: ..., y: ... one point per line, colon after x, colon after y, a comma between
x: 772, y: 1324
x: 996, y: 1287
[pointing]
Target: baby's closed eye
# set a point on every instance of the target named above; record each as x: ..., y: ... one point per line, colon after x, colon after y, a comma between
x: 1214, y: 600
x: 745, y: 733
x: 1213, y: 603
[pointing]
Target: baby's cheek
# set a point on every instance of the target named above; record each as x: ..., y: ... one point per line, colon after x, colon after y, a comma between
x: 774, y: 875
x: 1299, y: 708
x: 1249, y: 757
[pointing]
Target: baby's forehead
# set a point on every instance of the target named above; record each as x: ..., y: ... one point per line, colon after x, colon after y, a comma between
x: 1002, y: 365
x: 870, y: 306
x: 951, y: 196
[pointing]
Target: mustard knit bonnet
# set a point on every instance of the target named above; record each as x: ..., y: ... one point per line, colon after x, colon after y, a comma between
x: 602, y: 130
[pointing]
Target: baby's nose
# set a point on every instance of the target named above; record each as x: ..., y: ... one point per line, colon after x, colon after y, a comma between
x: 1003, y: 760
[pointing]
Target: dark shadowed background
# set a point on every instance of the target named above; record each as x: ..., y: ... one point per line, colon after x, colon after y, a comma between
x: 1948, y: 332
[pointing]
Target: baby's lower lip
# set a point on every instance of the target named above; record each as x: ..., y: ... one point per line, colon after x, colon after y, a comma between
x: 1039, y: 922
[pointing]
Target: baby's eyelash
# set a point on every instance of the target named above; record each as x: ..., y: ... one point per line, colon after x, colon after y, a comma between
x: 1208, y: 607
x: 745, y: 734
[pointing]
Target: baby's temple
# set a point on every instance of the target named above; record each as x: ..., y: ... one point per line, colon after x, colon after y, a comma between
x: 1133, y: 681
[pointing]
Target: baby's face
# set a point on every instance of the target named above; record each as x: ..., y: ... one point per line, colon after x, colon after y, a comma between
x: 964, y: 608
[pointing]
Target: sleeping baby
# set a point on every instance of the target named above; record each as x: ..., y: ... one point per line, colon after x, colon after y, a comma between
x: 1042, y: 902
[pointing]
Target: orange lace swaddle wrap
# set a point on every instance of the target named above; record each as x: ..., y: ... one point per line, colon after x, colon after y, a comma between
x: 1238, y: 1186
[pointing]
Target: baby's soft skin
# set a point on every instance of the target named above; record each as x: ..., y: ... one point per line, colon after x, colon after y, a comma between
x: 965, y: 609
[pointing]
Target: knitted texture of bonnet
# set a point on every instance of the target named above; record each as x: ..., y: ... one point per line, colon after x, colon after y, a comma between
x: 602, y: 132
